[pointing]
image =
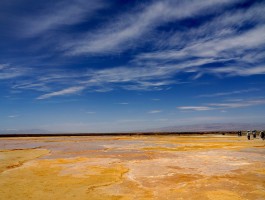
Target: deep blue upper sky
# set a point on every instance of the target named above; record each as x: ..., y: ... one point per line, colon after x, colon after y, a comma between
x: 123, y: 65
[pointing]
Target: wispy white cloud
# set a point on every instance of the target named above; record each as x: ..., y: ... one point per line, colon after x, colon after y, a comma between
x: 155, y: 111
x: 153, y: 77
x: 8, y: 72
x: 195, y: 108
x: 2, y: 66
x: 250, y: 39
x: 27, y: 85
x: 229, y: 93
x: 237, y: 70
x: 60, y: 13
x: 216, y: 47
x: 225, y: 105
x: 71, y: 90
x: 123, y: 103
x: 13, y: 116
x: 223, y: 25
x: 217, y: 50
x: 239, y: 104
x: 121, y: 33
x: 236, y: 52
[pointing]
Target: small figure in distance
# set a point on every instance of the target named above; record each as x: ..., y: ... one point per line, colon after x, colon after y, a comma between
x: 262, y: 135
x: 254, y: 133
x: 240, y: 133
x: 248, y: 134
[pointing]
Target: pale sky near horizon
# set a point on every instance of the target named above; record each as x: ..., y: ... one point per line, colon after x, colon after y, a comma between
x: 125, y: 65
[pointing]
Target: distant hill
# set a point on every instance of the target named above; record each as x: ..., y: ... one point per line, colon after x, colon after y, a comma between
x: 214, y: 127
x: 211, y: 127
x: 25, y: 131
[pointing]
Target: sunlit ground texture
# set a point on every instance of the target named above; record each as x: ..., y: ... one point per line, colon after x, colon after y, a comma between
x: 136, y: 167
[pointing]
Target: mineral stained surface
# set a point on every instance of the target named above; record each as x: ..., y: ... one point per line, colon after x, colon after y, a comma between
x: 136, y: 167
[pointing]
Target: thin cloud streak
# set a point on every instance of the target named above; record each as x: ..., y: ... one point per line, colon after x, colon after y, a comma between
x: 123, y: 103
x: 153, y: 77
x: 121, y: 34
x: 228, y: 49
x: 66, y: 91
x: 119, y: 58
x: 8, y: 72
x: 229, y: 93
x: 236, y: 52
x: 155, y: 111
x: 223, y: 106
x: 195, y: 108
x: 59, y: 14
x: 13, y: 116
x: 129, y: 78
x: 217, y: 51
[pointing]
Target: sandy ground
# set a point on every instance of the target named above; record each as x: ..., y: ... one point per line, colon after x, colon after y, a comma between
x: 152, y: 167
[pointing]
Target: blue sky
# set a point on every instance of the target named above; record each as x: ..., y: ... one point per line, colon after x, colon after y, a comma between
x: 124, y: 65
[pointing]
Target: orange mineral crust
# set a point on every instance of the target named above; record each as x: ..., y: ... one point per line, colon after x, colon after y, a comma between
x: 132, y: 167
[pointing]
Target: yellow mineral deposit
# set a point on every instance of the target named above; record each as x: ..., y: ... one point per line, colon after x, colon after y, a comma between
x: 139, y: 167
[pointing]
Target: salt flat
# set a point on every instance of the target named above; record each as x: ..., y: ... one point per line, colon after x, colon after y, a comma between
x: 132, y: 167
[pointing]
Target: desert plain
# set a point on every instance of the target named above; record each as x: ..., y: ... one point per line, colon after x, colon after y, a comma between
x: 132, y: 167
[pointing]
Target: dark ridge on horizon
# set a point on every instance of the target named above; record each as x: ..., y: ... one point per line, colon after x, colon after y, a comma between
x: 193, y: 128
x: 120, y: 134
